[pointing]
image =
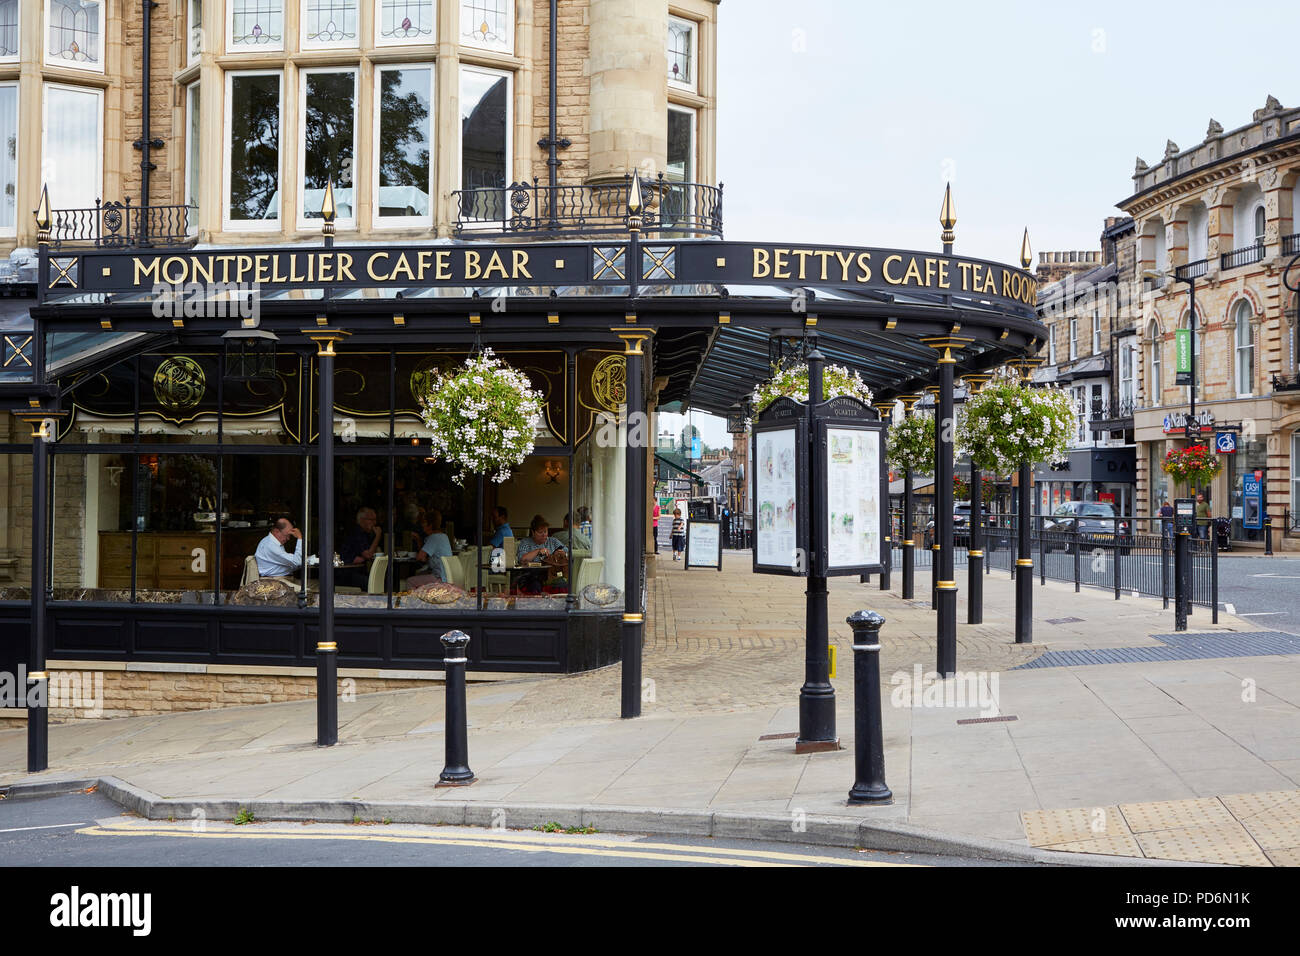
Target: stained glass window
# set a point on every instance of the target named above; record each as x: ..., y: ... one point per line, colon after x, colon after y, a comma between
x: 405, y: 21
x: 329, y: 23
x: 681, y: 48
x: 256, y: 24
x: 8, y: 29
x: 75, y: 30
x: 488, y: 24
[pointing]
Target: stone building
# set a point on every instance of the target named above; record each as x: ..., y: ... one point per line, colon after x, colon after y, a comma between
x: 1219, y: 218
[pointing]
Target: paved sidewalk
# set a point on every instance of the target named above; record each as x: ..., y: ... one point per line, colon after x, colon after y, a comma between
x: 724, y: 653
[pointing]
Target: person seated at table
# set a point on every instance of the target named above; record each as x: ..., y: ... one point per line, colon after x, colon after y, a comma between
x: 359, y: 547
x: 539, y: 546
x: 572, y: 537
x: 273, y: 561
x: 501, y: 522
x: 436, y: 547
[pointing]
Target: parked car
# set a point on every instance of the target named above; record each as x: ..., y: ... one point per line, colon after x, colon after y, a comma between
x: 960, y: 526
x: 1093, y: 520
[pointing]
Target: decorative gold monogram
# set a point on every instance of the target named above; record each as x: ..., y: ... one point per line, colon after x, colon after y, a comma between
x: 609, y: 382
x: 179, y: 384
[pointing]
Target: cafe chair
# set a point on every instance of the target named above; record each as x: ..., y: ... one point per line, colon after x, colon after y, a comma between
x: 453, y: 571
x: 378, y: 575
x: 589, y: 572
x: 250, y: 571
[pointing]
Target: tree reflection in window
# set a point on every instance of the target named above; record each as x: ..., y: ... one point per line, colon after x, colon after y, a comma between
x: 74, y: 30
x: 404, y: 142
x: 332, y: 22
x: 331, y: 118
x: 257, y: 23
x: 408, y: 20
x: 254, y: 146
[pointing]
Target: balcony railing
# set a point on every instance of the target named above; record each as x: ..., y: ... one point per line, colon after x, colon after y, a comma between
x: 1291, y: 244
x: 1286, y: 383
x: 1193, y: 270
x: 1242, y: 257
x: 670, y: 208
x: 117, y: 224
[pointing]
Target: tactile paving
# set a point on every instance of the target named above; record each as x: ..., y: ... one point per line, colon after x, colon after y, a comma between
x: 1171, y: 814
x: 1176, y: 647
x: 1246, y: 805
x: 1053, y: 827
x: 1285, y: 857
x: 1221, y: 844
x: 1123, y: 845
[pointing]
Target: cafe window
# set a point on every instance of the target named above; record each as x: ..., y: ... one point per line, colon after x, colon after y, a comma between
x: 8, y: 30
x: 76, y: 30
x: 399, y: 22
x: 485, y: 154
x: 681, y: 145
x: 194, y: 40
x: 252, y: 170
x: 72, y: 146
x: 327, y: 149
x: 15, y: 521
x: 488, y: 24
x: 682, y: 53
x: 8, y: 158
x: 193, y: 154
x: 254, y: 26
x: 329, y: 24
x: 403, y: 145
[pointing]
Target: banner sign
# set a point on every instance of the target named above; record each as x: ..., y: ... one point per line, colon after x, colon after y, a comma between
x: 1183, y: 357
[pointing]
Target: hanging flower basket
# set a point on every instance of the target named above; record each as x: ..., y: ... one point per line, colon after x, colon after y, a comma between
x: 961, y: 489
x: 911, y: 444
x: 1195, y: 465
x: 791, y: 381
x: 1009, y: 424
x: 483, y: 417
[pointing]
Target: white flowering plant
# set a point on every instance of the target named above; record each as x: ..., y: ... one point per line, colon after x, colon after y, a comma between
x: 483, y: 416
x: 791, y: 381
x: 911, y: 444
x: 1009, y: 424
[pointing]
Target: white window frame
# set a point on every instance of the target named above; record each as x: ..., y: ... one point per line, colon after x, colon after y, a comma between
x: 693, y: 172
x: 247, y: 48
x: 10, y: 231
x: 18, y: 10
x: 1156, y: 386
x: 1258, y: 232
x: 1242, y: 316
x: 304, y: 222
x: 1096, y: 332
x: 466, y: 40
x: 96, y: 67
x: 510, y: 125
x: 406, y: 222
x: 1127, y: 372
x: 193, y: 31
x: 693, y: 85
x: 190, y: 172
x: 250, y: 225
x: 1074, y: 338
x: 345, y: 44
x: 1051, y: 345
x: 399, y: 41
x: 98, y: 177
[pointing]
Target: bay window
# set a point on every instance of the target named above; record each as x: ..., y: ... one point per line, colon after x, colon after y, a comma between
x: 72, y: 146
x: 488, y: 24
x: 254, y: 25
x: 403, y: 145
x: 329, y: 24
x: 194, y: 41
x: 484, y: 142
x: 328, y: 147
x: 8, y: 31
x: 682, y: 46
x: 8, y: 158
x: 681, y: 145
x: 404, y: 22
x: 193, y: 154
x: 252, y: 173
x: 75, y: 32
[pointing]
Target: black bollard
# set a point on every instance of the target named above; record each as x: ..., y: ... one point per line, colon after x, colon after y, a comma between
x: 455, y: 772
x: 327, y: 694
x: 868, y: 733
x: 885, y: 584
x: 1268, y: 536
x: 1181, y: 598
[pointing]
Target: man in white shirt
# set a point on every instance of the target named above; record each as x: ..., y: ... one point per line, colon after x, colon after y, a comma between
x: 272, y: 560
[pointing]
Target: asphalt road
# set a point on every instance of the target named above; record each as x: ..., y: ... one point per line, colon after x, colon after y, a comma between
x: 88, y: 830
x: 1265, y: 591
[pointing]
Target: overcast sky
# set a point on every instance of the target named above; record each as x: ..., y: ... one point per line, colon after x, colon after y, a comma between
x: 839, y: 121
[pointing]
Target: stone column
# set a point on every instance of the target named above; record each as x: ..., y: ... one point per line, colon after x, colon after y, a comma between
x: 629, y: 91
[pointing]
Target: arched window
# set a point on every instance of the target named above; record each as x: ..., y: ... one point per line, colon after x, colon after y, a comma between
x: 1155, y: 384
x: 1259, y: 225
x: 1245, y: 348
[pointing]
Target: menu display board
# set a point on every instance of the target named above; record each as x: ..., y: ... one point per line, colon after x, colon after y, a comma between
x: 853, y: 499
x: 704, y: 544
x: 776, y: 496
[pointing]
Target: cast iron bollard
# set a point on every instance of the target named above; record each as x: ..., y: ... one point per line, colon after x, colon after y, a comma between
x: 455, y: 772
x: 868, y: 734
x: 1181, y: 598
x: 327, y: 694
x: 1268, y: 536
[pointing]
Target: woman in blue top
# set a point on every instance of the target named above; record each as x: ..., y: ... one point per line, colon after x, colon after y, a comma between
x: 436, y: 546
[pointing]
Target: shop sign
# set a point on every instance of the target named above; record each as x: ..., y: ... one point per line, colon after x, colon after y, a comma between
x: 1225, y: 443
x: 1179, y: 421
x: 1252, y: 497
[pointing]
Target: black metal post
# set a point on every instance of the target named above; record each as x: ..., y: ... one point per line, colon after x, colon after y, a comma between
x: 975, y: 550
x: 868, y: 731
x: 1074, y: 546
x: 1164, y: 567
x: 38, y: 679
x: 455, y: 770
x: 327, y: 730
x: 1024, y: 566
x: 327, y: 693
x: 816, y: 696
x: 1181, y: 597
x: 1116, y: 555
x: 1214, y: 576
x: 1042, y: 553
x: 634, y: 514
x: 944, y: 575
x: 908, y: 542
x: 1268, y: 536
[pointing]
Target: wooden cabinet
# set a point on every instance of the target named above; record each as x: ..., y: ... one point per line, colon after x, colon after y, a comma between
x: 164, y: 560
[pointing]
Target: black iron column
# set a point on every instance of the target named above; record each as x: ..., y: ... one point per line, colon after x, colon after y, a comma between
x: 634, y: 516
x: 816, y: 696
x: 327, y: 693
x: 868, y: 732
x: 455, y: 770
x: 975, y: 546
x: 38, y: 679
x: 1024, y: 545
x: 908, y: 543
x: 934, y: 539
x: 945, y: 427
x: 886, y: 412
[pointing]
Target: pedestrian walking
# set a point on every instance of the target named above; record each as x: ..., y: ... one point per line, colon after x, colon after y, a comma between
x: 679, y: 534
x: 655, y: 526
x: 1167, y: 519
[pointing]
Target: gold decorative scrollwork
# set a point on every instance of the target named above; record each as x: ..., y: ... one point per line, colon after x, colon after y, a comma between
x: 609, y: 382
x: 179, y: 384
